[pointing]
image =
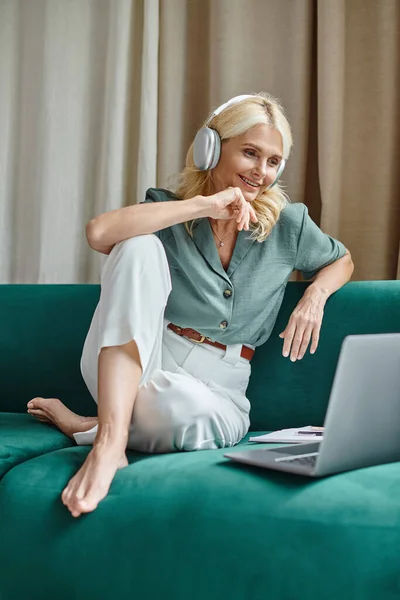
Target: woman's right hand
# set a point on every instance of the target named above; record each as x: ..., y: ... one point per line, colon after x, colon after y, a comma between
x: 230, y: 204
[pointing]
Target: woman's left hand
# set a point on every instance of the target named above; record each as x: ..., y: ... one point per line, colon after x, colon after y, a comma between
x: 304, y: 324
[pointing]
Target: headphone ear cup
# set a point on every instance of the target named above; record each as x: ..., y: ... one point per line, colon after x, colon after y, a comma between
x: 278, y: 174
x: 206, y: 149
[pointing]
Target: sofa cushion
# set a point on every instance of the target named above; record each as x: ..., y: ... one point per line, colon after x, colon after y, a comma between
x: 22, y: 437
x: 44, y: 328
x: 235, y: 531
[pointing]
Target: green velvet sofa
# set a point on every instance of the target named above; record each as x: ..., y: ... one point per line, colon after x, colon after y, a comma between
x: 188, y: 526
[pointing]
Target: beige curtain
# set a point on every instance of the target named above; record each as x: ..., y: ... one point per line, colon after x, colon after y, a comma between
x: 100, y: 99
x: 359, y: 130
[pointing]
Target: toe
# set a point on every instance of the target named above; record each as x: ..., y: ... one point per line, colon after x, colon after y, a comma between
x: 87, y: 505
x: 35, y: 402
x: 74, y: 510
x: 79, y: 495
x: 36, y: 412
x: 65, y: 496
x: 73, y: 507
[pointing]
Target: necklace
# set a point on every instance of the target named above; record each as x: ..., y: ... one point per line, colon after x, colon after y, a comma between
x: 221, y: 242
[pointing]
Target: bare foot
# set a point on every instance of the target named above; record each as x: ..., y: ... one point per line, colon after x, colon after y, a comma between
x: 53, y: 411
x: 92, y: 482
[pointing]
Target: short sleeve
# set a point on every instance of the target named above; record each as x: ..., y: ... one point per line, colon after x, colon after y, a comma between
x: 157, y: 195
x: 315, y: 248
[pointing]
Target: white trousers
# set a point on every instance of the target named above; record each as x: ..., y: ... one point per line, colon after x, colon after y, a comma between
x: 191, y: 396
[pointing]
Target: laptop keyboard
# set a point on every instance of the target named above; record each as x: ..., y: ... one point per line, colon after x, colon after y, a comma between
x: 303, y: 461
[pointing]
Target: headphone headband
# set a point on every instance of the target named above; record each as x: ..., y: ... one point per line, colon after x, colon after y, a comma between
x: 234, y: 100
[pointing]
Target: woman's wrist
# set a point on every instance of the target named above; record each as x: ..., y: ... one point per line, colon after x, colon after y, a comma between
x: 200, y: 207
x: 317, y: 291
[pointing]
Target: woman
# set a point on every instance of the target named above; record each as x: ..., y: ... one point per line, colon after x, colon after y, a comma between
x: 167, y: 356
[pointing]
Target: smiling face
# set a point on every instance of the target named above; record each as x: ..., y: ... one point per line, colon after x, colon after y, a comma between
x: 249, y: 161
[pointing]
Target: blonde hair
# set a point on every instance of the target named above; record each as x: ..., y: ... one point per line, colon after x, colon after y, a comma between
x: 233, y: 121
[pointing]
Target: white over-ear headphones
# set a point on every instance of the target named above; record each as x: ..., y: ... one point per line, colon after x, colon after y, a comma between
x: 207, y: 143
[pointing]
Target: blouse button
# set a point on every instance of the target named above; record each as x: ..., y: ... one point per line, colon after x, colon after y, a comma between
x: 223, y: 324
x: 227, y: 293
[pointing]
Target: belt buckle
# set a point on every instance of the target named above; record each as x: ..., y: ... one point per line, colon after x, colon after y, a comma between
x: 200, y: 341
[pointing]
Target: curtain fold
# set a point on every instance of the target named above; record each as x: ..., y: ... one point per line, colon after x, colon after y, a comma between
x: 359, y: 130
x: 100, y: 99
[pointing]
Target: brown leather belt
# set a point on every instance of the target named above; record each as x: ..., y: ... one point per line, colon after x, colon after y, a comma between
x: 198, y: 338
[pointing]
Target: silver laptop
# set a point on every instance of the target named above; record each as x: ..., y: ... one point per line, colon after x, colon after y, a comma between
x: 362, y: 423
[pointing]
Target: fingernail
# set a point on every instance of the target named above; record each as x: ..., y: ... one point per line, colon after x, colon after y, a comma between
x: 286, y: 354
x: 292, y: 358
x: 312, y: 351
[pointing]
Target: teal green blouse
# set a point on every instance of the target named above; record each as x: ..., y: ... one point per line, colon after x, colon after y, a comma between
x: 240, y: 305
